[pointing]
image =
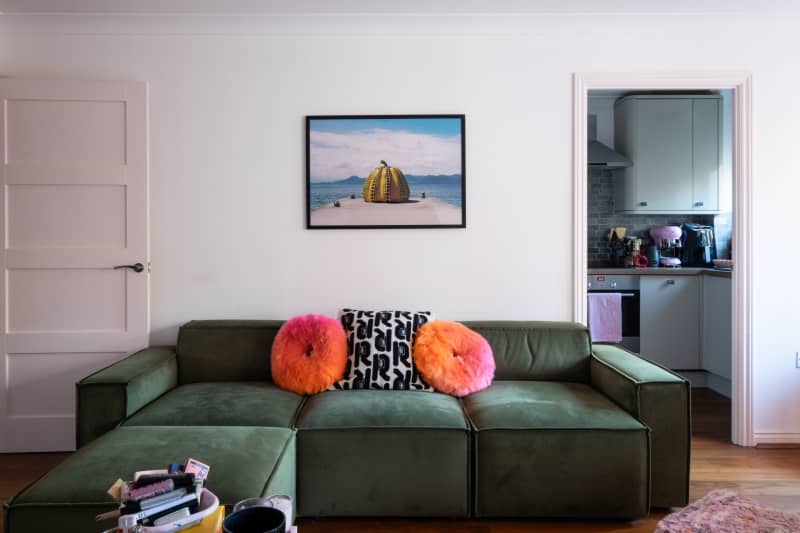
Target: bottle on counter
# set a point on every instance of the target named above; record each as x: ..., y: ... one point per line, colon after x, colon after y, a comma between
x: 653, y: 255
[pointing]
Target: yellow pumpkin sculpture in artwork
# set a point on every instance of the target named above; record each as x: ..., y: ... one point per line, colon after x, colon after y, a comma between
x: 386, y: 184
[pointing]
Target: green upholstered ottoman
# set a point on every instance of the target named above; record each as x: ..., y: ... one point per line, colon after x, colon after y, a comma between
x: 383, y: 453
x: 548, y: 449
x: 232, y: 403
x: 245, y: 462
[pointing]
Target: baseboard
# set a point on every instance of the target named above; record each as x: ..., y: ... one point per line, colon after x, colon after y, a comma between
x: 718, y: 384
x: 768, y: 439
x: 697, y: 378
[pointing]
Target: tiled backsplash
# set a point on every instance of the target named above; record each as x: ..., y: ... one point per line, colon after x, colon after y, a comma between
x: 723, y: 234
x: 602, y: 218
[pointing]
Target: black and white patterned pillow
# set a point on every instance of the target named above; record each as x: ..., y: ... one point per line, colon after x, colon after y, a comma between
x: 379, y: 350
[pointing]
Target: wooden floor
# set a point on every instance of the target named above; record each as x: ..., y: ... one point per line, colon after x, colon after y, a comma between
x: 771, y: 476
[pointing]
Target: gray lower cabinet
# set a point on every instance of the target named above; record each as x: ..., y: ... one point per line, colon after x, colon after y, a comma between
x: 670, y: 321
x: 717, y: 330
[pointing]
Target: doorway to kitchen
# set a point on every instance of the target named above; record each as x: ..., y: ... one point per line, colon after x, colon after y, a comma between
x: 662, y: 177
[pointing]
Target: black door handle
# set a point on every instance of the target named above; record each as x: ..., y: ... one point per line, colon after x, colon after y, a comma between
x: 137, y: 267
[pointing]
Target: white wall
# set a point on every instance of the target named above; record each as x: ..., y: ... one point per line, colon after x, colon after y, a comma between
x: 228, y: 96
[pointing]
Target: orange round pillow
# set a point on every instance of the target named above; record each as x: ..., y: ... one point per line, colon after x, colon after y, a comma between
x: 309, y: 354
x: 452, y: 358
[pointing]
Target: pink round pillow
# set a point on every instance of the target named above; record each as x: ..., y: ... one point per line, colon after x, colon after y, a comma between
x: 309, y: 354
x: 452, y: 358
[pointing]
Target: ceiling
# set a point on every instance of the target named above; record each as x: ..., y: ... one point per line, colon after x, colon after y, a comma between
x: 378, y: 7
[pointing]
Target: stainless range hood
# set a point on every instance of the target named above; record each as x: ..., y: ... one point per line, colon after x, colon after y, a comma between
x: 601, y: 156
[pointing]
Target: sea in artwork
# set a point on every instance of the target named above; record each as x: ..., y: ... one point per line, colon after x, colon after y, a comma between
x: 446, y: 188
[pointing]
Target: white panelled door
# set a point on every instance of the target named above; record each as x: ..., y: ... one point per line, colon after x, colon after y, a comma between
x: 74, y: 206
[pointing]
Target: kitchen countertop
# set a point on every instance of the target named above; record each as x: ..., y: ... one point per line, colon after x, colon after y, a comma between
x: 659, y: 271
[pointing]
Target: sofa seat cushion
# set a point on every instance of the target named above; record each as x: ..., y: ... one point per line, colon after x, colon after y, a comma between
x: 545, y: 405
x: 381, y: 409
x: 245, y: 462
x: 231, y: 403
x: 549, y: 449
x: 383, y: 453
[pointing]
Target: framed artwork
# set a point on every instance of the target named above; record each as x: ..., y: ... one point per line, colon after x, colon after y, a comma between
x: 385, y: 171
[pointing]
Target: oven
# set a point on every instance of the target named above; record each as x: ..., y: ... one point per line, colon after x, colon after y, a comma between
x: 628, y: 287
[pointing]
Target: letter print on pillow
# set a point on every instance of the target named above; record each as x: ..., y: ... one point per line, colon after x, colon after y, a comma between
x: 379, y: 350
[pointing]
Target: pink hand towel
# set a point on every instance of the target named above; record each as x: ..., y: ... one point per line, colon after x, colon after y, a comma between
x: 605, y: 316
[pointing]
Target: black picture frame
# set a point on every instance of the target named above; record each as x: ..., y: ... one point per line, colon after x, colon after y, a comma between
x: 328, y: 216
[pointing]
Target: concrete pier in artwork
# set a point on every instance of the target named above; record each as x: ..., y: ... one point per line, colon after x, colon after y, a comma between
x: 357, y: 212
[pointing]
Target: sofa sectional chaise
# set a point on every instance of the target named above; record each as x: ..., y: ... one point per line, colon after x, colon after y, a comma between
x: 567, y: 429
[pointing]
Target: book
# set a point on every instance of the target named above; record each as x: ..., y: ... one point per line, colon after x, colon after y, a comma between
x: 129, y: 521
x: 183, y: 512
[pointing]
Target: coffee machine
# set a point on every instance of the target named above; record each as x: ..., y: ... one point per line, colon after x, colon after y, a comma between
x: 670, y: 244
x: 699, y: 247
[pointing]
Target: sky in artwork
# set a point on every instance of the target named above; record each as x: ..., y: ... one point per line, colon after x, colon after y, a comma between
x: 341, y: 148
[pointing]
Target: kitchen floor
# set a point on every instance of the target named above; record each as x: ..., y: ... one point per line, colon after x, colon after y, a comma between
x: 771, y: 476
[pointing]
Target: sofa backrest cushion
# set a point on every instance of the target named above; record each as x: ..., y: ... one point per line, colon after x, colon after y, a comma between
x: 547, y: 351
x: 226, y: 350
x: 239, y: 350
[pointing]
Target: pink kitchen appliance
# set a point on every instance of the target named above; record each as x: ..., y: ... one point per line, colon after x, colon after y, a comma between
x: 668, y: 240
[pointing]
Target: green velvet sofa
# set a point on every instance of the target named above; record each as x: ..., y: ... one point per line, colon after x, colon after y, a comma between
x: 567, y: 429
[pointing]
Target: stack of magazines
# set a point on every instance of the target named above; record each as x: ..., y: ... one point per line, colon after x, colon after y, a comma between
x: 159, y: 497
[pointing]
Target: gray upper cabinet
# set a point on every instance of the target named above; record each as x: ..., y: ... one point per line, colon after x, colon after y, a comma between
x: 706, y: 153
x: 675, y: 145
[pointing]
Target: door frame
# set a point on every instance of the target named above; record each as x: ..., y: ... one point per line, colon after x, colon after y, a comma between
x: 742, y: 287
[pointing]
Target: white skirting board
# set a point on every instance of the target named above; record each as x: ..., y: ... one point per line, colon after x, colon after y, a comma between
x: 718, y: 384
x: 777, y: 438
x: 697, y: 378
x: 704, y: 379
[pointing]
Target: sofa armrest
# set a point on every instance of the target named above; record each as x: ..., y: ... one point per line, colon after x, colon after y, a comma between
x: 659, y: 399
x: 107, y: 397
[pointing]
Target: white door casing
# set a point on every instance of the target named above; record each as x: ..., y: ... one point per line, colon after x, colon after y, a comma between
x: 74, y: 205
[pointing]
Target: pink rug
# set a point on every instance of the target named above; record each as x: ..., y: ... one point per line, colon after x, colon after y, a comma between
x: 725, y: 511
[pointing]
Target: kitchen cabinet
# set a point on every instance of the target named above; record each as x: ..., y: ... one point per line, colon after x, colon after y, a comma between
x: 675, y: 144
x: 706, y: 153
x: 717, y: 326
x: 670, y: 320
